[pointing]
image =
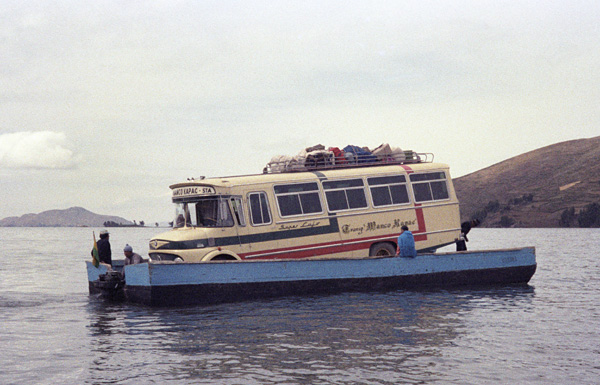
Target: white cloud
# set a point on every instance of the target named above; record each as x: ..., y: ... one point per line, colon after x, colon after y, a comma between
x: 40, y: 150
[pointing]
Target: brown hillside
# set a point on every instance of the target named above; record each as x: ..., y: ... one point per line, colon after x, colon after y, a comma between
x: 558, y: 176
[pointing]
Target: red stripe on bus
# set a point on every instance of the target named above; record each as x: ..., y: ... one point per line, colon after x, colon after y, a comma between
x: 326, y: 248
x: 313, y: 251
x: 421, y: 233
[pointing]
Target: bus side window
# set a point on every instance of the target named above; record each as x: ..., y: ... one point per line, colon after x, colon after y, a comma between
x: 345, y: 194
x: 236, y: 204
x: 388, y: 190
x: 259, y: 209
x: 298, y: 199
x: 429, y: 186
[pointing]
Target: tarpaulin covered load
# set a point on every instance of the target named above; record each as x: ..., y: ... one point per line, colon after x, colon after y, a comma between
x: 385, y: 153
x: 355, y: 154
x: 318, y: 156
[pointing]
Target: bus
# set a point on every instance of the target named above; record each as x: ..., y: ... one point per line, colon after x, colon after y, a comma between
x: 344, y: 211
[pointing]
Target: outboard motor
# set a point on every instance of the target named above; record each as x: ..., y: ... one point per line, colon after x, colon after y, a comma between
x: 111, y: 286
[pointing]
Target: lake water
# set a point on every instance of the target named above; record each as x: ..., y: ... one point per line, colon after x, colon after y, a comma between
x: 52, y: 332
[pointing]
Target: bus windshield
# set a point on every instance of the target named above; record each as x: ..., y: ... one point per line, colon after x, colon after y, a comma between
x: 212, y: 212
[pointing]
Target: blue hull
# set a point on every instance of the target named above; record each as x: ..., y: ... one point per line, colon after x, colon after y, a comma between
x: 216, y: 282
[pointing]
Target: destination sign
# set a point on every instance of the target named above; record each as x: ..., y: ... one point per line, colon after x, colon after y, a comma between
x: 182, y: 192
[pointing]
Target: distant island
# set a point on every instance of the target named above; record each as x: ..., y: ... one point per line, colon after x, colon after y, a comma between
x: 71, y: 217
x: 554, y: 186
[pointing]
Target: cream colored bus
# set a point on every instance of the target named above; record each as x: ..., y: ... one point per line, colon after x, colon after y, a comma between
x: 350, y: 211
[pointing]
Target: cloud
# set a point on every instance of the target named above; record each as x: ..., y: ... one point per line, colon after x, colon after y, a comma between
x: 37, y: 150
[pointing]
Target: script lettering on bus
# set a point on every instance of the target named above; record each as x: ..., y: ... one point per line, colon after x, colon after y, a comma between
x: 346, y: 229
x: 303, y: 225
x: 374, y: 226
x: 194, y: 190
x: 398, y: 223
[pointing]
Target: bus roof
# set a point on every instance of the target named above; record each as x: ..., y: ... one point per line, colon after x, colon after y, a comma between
x: 242, y: 180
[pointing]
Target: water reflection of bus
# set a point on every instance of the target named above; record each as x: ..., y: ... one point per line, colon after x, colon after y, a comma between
x: 329, y: 212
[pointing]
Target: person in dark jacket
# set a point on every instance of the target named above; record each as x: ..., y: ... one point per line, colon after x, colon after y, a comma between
x: 465, y: 227
x: 104, y: 252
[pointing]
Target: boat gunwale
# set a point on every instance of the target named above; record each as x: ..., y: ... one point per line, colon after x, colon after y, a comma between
x: 326, y: 258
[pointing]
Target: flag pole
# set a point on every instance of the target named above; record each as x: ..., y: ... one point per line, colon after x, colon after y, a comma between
x: 95, y: 255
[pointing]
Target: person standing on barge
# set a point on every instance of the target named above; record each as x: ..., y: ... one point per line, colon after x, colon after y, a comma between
x: 406, y: 243
x: 104, y: 253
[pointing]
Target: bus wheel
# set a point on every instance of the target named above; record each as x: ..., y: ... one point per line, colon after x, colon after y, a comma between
x: 382, y: 249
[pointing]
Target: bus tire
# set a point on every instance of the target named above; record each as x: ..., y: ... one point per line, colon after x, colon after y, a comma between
x: 382, y: 249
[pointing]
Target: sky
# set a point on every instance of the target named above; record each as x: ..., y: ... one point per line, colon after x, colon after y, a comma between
x: 104, y: 104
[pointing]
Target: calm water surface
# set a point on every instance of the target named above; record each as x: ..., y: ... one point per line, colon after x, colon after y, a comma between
x: 547, y: 332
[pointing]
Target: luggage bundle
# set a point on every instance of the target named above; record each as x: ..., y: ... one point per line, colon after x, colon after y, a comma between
x: 318, y: 156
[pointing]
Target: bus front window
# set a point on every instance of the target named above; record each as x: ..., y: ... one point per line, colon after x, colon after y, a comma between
x: 182, y: 216
x: 203, y: 213
x: 213, y: 213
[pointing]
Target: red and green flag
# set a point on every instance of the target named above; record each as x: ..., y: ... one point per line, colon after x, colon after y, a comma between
x: 95, y: 255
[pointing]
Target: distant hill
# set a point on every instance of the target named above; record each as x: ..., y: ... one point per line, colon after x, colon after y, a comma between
x: 72, y: 217
x: 534, y: 189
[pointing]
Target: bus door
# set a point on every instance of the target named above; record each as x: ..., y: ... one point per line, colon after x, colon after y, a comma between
x: 257, y: 238
x: 237, y: 209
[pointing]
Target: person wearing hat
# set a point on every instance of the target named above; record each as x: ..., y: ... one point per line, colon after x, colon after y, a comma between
x: 104, y: 252
x: 131, y: 258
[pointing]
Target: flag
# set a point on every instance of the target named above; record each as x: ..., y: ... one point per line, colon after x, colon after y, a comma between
x: 95, y: 256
